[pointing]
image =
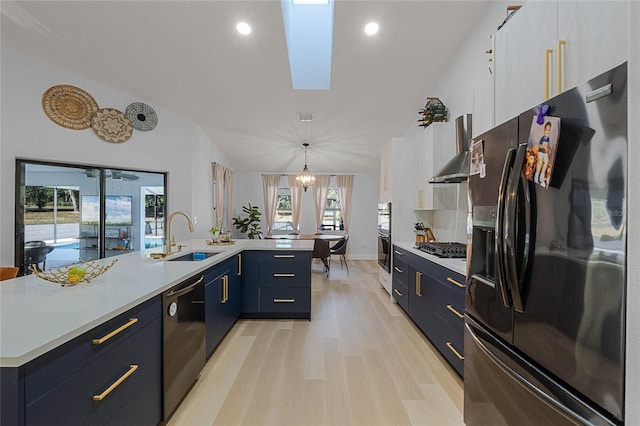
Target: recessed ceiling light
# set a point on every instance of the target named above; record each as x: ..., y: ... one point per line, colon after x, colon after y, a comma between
x: 371, y: 28
x: 243, y: 28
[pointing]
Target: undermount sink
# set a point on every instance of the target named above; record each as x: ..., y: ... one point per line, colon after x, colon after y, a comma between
x: 195, y: 256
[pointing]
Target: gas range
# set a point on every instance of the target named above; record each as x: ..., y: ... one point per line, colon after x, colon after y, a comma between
x: 444, y: 249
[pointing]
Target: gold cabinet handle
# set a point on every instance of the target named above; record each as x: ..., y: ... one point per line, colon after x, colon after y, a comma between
x: 239, y: 264
x: 107, y: 391
x: 395, y: 290
x: 418, y: 283
x: 395, y: 268
x: 547, y: 65
x: 284, y: 256
x: 284, y: 300
x: 456, y: 353
x: 225, y: 289
x: 114, y: 332
x: 399, y: 253
x: 456, y: 313
x: 561, y: 43
x: 284, y: 275
x: 452, y: 281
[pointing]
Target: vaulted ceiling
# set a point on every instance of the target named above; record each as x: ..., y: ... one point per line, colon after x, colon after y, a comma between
x: 188, y: 57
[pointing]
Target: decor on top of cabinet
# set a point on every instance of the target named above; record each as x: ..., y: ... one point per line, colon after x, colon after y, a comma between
x: 69, y: 106
x: 74, y: 274
x: 250, y: 224
x: 142, y: 116
x: 433, y: 111
x: 112, y: 125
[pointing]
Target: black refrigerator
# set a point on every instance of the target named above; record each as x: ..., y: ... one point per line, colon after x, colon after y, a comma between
x: 545, y: 295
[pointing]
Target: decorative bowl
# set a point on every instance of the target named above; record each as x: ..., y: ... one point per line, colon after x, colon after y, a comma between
x: 63, y: 277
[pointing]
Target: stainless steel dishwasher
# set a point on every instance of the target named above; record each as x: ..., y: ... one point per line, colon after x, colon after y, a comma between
x: 183, y: 340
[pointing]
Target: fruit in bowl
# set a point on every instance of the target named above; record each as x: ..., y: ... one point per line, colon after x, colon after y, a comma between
x: 76, y: 273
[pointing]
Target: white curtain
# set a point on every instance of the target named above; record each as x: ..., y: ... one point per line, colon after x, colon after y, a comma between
x: 296, y: 202
x: 228, y: 184
x: 270, y: 185
x: 320, y: 188
x: 345, y: 185
x: 223, y: 178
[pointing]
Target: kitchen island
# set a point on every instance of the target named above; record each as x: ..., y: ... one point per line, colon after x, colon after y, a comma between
x: 42, y: 321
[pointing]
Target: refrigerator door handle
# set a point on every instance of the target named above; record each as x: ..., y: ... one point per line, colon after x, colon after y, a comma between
x: 510, y: 229
x: 501, y: 280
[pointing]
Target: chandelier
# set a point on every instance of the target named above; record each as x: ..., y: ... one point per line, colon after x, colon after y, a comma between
x: 305, y: 178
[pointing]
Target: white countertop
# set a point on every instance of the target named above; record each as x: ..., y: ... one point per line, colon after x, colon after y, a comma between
x: 37, y: 315
x: 456, y: 265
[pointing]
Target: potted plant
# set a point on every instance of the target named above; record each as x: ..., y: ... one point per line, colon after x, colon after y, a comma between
x: 251, y: 223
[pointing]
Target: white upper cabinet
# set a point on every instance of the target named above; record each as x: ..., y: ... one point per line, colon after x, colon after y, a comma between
x: 385, y: 174
x: 550, y: 46
x: 523, y: 58
x: 595, y: 36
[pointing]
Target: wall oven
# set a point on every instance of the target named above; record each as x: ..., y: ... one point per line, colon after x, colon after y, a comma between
x: 384, y: 236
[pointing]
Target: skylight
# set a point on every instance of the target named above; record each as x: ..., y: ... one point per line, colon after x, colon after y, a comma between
x: 308, y: 26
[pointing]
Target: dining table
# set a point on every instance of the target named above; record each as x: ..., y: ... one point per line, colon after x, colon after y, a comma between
x: 326, y: 237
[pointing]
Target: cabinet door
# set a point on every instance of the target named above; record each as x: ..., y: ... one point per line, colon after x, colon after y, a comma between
x: 520, y: 50
x: 385, y: 174
x: 421, y: 298
x: 250, y: 282
x: 214, y: 294
x: 596, y: 38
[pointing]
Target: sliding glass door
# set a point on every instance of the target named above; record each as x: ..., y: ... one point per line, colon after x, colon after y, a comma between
x: 69, y: 213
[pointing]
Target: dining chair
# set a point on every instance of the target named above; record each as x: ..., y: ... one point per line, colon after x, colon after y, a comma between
x: 321, y: 251
x: 340, y: 249
x: 8, y: 272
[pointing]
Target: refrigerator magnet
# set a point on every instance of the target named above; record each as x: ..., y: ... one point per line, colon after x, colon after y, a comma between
x: 477, y: 159
x: 541, y: 149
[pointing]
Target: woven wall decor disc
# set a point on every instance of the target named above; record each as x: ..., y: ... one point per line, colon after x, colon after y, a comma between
x: 69, y: 106
x: 112, y: 125
x: 142, y: 116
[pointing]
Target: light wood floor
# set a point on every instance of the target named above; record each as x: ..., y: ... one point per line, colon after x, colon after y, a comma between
x: 359, y: 361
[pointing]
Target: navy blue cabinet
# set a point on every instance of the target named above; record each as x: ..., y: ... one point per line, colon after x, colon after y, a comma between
x: 223, y: 300
x: 433, y: 296
x: 276, y: 284
x: 400, y: 275
x: 110, y: 374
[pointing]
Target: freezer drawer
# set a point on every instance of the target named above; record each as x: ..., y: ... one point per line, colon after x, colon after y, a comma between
x: 502, y: 388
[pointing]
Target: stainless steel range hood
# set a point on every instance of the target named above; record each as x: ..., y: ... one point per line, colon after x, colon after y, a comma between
x: 457, y: 169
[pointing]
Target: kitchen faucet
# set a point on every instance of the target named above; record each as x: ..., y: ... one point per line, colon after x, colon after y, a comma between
x: 167, y: 238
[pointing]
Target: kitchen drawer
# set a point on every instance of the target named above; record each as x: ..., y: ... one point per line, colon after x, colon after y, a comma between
x: 400, y: 293
x: 450, y: 306
x: 72, y: 401
x: 294, y: 299
x: 449, y: 343
x: 52, y: 368
x: 284, y: 257
x: 400, y: 270
x: 280, y: 274
x: 447, y: 276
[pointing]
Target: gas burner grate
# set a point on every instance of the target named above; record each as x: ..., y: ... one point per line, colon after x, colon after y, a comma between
x: 444, y: 249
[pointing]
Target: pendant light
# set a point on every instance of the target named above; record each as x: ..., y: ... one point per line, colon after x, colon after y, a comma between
x: 305, y: 178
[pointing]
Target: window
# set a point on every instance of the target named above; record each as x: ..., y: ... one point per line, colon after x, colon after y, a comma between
x: 283, y: 219
x: 68, y: 213
x: 332, y: 219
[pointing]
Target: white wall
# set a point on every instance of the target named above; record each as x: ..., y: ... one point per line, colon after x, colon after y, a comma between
x: 465, y: 73
x: 363, y: 223
x: 177, y: 145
